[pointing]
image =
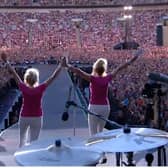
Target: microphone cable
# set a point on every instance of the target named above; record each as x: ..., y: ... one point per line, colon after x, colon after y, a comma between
x: 65, y: 115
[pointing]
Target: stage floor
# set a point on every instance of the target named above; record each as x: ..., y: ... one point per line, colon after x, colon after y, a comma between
x: 9, y: 145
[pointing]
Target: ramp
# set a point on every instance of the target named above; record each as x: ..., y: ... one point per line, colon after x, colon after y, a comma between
x: 55, y: 99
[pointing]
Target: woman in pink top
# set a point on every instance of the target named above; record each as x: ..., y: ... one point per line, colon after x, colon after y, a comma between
x: 99, y: 80
x: 31, y: 115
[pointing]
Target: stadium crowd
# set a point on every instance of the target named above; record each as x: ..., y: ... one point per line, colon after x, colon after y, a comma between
x: 100, y: 30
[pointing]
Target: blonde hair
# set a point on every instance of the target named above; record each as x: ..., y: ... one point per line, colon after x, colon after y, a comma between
x: 100, y: 67
x: 31, y: 77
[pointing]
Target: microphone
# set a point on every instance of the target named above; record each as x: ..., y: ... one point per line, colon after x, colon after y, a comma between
x: 65, y: 115
x: 158, y: 77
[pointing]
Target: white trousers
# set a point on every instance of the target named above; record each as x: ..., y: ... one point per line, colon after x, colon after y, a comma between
x: 96, y: 125
x: 29, y: 129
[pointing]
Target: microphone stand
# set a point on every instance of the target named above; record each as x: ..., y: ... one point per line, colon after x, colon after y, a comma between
x: 74, y: 112
x: 74, y: 96
x: 72, y: 103
x: 126, y: 129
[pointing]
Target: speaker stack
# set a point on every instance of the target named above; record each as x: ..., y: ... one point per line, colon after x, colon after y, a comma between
x: 162, y: 32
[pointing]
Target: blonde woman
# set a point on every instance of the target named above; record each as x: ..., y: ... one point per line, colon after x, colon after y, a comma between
x: 99, y: 80
x: 31, y: 115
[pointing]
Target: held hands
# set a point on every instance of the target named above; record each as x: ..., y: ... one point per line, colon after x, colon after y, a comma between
x: 64, y: 60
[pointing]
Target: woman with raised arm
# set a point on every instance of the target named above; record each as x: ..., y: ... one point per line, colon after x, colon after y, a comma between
x: 99, y: 80
x: 31, y: 115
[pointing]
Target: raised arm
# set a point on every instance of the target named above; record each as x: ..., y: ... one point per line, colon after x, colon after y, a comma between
x: 11, y: 69
x: 53, y: 75
x: 79, y: 72
x: 129, y: 62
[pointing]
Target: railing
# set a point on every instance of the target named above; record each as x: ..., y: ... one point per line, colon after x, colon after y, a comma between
x: 10, y: 112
